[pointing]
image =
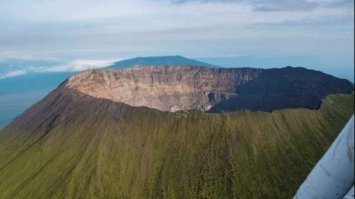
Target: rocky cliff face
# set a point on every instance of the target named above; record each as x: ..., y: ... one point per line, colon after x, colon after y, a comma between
x: 174, y: 88
x: 170, y: 88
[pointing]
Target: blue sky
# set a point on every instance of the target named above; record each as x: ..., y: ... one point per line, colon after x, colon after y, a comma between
x: 77, y: 34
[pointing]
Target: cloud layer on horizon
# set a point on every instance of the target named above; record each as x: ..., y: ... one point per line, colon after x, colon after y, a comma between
x: 131, y: 26
x: 24, y: 67
x: 106, y: 29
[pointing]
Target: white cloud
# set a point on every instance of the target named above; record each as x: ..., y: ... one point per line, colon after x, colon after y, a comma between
x: 155, y: 15
x: 13, y: 74
x: 78, y: 65
x: 73, y: 66
x: 141, y: 27
x: 324, y: 1
x: 91, y: 29
x: 5, y: 55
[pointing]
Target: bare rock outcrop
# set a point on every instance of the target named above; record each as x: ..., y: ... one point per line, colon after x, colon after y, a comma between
x: 166, y: 88
x: 174, y: 88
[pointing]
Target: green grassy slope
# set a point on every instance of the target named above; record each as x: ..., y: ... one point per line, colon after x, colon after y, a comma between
x: 90, y: 148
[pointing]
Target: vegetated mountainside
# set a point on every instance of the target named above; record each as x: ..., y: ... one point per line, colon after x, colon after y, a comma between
x: 174, y: 88
x: 159, y: 61
x: 71, y: 145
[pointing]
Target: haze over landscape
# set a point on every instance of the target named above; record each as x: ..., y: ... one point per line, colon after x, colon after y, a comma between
x: 59, y: 35
x: 176, y: 98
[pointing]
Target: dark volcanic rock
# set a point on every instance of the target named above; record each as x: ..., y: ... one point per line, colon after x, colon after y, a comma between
x: 288, y: 87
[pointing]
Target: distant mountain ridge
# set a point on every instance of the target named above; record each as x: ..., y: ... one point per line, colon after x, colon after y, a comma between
x: 159, y: 61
